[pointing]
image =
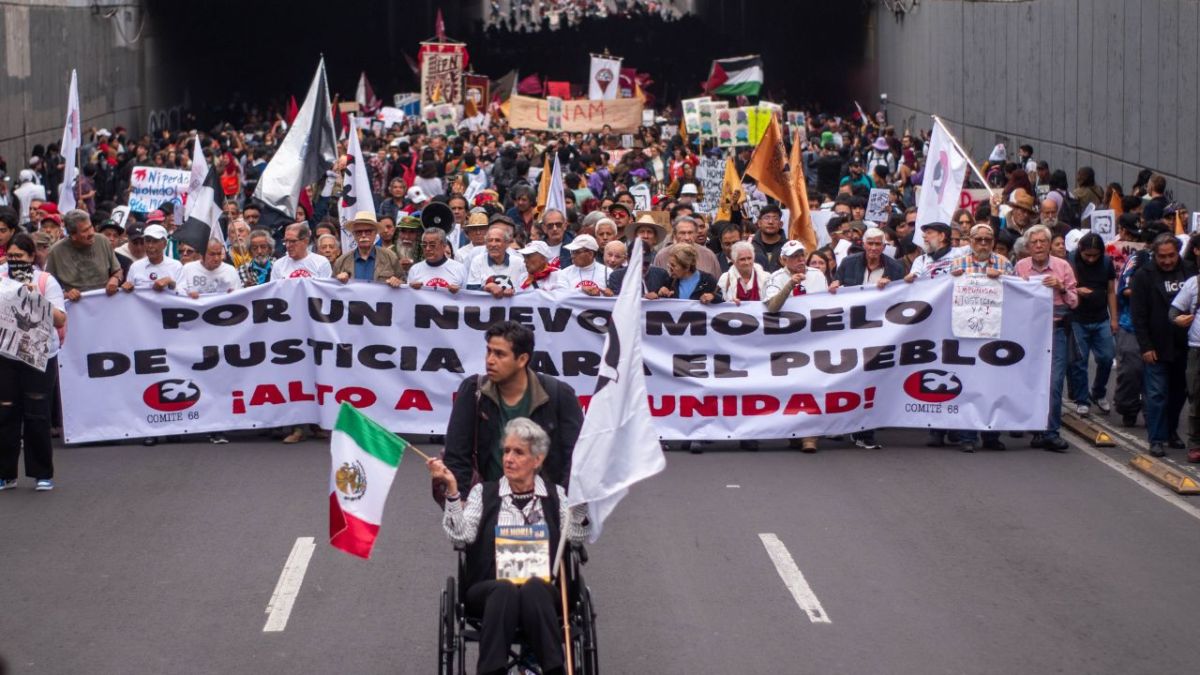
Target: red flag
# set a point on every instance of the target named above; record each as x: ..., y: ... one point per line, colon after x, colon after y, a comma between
x: 530, y: 85
x: 292, y: 110
x: 559, y: 89
x: 439, y: 26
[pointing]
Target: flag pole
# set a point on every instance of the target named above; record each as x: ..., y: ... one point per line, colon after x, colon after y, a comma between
x: 419, y: 453
x: 562, y: 583
x: 959, y: 147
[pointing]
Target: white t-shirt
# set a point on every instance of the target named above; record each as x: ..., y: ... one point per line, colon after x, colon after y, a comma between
x: 466, y: 253
x: 310, y: 266
x: 483, y: 271
x: 449, y: 273
x: 143, y: 273
x: 595, y: 275
x: 1185, y: 301
x: 195, y: 277
x: 814, y: 282
x: 925, y: 267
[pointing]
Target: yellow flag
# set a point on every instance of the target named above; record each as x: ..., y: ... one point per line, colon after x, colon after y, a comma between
x: 768, y: 166
x: 801, y: 227
x: 730, y: 186
x: 544, y: 185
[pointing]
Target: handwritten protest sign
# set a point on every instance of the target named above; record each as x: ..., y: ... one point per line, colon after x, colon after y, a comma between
x: 150, y: 186
x: 975, y: 306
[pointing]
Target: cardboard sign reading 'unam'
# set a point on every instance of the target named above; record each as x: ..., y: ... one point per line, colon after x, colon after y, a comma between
x: 621, y: 115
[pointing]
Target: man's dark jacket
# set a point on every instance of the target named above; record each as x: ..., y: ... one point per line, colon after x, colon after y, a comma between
x: 475, y: 425
x: 1152, y: 291
x: 853, y: 269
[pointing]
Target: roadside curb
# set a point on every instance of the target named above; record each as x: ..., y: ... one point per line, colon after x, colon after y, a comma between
x: 1096, y: 431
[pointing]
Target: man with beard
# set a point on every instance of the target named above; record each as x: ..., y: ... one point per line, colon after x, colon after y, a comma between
x: 258, y: 270
x: 408, y: 242
x: 938, y: 253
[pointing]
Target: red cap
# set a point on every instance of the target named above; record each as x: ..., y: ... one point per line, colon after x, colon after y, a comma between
x: 49, y: 207
x: 155, y: 217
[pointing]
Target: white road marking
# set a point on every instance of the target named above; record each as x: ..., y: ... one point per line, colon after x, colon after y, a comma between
x: 1142, y: 480
x: 288, y: 586
x: 794, y: 579
x: 731, y: 485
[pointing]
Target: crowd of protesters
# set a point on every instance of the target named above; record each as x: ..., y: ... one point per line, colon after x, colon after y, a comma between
x: 1132, y: 299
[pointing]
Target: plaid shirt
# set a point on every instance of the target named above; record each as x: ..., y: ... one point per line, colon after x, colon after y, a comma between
x: 969, y: 265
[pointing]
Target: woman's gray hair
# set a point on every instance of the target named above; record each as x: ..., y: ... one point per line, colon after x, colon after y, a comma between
x: 739, y: 246
x: 531, y: 433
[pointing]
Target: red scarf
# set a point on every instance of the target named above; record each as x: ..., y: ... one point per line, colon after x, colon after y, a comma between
x: 551, y: 266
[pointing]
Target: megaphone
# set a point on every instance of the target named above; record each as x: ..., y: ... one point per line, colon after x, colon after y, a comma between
x: 437, y: 214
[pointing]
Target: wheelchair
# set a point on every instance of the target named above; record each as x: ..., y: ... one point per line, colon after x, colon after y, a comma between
x: 456, y: 629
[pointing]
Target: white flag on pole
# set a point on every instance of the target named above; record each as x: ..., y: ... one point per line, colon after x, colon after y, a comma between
x: 70, y: 148
x: 605, y: 80
x: 945, y: 170
x: 365, y: 96
x: 308, y: 150
x: 617, y: 446
x: 202, y: 214
x: 555, y: 195
x: 356, y: 188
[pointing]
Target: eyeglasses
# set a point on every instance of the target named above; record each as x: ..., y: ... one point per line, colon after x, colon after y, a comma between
x: 292, y: 241
x: 982, y: 240
x: 187, y: 251
x: 554, y: 226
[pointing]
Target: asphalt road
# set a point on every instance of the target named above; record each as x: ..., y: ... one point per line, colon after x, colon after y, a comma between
x: 163, y: 560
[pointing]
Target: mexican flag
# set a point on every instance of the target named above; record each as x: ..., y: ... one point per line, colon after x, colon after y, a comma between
x: 365, y: 457
x: 741, y: 76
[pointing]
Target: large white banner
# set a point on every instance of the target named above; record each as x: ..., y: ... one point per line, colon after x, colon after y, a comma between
x: 289, y: 352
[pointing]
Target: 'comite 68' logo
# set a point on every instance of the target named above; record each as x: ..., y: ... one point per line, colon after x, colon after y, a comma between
x: 171, y: 395
x: 933, y: 386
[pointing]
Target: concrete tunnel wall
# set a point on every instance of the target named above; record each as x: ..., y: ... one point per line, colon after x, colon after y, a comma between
x: 43, y: 40
x: 1110, y: 84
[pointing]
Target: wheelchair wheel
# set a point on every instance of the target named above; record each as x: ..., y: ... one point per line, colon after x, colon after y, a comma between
x: 587, y: 657
x: 447, y: 625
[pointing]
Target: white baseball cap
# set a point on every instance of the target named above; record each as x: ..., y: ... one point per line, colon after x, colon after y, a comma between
x: 537, y: 246
x: 791, y: 247
x: 583, y: 241
x: 689, y: 189
x: 416, y: 195
x: 155, y: 232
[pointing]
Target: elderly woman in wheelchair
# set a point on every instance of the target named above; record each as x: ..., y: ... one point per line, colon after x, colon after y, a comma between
x: 511, y: 531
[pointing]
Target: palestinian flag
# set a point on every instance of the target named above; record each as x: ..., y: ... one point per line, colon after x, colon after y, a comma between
x: 365, y: 457
x: 741, y: 76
